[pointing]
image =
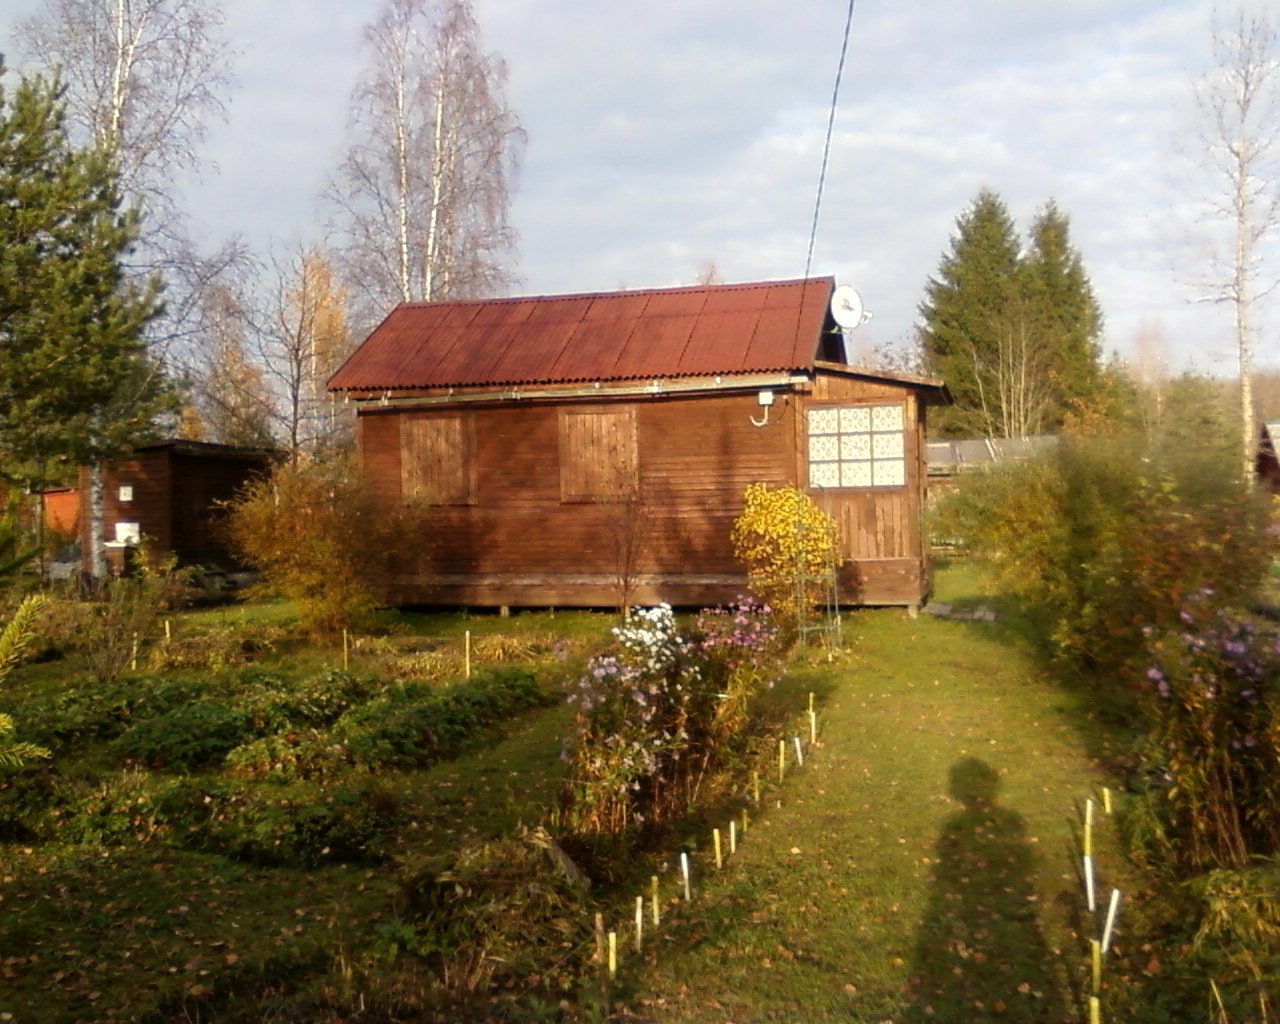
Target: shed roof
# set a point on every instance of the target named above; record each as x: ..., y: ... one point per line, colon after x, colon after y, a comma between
x: 771, y: 326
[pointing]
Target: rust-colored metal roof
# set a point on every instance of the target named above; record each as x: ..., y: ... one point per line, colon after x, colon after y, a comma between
x: 771, y: 326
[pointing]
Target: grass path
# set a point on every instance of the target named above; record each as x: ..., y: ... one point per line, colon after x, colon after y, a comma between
x: 918, y: 868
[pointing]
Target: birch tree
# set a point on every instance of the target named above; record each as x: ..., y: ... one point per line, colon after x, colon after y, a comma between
x: 1239, y: 105
x: 143, y: 78
x: 302, y: 342
x: 421, y: 200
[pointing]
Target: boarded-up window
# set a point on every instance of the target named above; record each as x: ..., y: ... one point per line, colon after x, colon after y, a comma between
x: 597, y: 454
x: 435, y: 459
x: 857, y: 446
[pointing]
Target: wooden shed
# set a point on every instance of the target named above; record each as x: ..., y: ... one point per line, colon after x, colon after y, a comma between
x: 547, y: 437
x: 1267, y: 464
x: 170, y: 493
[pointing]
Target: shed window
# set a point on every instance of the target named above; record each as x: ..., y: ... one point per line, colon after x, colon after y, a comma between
x: 598, y: 457
x: 857, y: 446
x: 435, y: 460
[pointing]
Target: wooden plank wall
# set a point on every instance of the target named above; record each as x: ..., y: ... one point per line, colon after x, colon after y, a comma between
x: 879, y: 528
x: 521, y: 538
x: 695, y: 458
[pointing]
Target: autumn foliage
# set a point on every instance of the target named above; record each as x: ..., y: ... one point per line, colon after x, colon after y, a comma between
x: 319, y: 539
x: 781, y: 535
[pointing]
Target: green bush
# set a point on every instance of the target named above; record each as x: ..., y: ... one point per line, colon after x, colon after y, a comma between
x: 1213, y: 695
x: 296, y: 754
x: 1108, y: 537
x: 301, y: 823
x: 414, y: 726
x: 192, y: 736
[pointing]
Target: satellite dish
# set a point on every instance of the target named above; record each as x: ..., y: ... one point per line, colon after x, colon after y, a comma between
x: 847, y: 309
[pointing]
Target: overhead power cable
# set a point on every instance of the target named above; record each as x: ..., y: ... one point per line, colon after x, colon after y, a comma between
x: 826, y: 148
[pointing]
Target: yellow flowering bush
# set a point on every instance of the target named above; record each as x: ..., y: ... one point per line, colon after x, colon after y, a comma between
x: 780, y: 535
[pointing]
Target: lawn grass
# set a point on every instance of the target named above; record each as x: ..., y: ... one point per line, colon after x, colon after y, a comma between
x: 877, y: 884
x: 867, y: 888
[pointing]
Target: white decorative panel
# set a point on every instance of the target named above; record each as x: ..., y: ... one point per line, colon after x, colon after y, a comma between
x: 891, y: 473
x: 824, y: 474
x: 855, y: 446
x: 886, y: 417
x: 824, y: 421
x: 824, y: 448
x: 857, y: 418
x: 887, y: 446
x: 855, y: 474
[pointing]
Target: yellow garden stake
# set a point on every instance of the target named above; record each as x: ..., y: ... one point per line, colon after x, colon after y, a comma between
x: 653, y: 896
x: 1095, y: 954
x: 133, y: 659
x: 346, y: 651
x: 1088, y: 827
x: 1106, y: 800
x: 733, y: 836
x: 1095, y: 1010
x: 799, y: 753
x: 613, y: 954
x: 639, y: 921
x: 715, y: 841
x: 745, y: 821
x: 782, y: 759
x: 813, y: 727
x: 755, y: 786
x: 810, y: 702
x: 168, y: 631
x: 684, y: 874
x: 466, y: 657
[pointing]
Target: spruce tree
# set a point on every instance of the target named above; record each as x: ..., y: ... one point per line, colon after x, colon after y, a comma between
x: 76, y: 383
x: 976, y: 283
x: 1068, y: 316
x: 1015, y: 335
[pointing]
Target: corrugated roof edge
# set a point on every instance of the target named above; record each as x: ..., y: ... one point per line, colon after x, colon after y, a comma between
x: 577, y: 296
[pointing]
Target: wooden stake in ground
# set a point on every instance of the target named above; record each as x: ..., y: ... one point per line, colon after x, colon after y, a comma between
x: 782, y: 760
x: 684, y: 874
x: 715, y: 841
x: 813, y: 727
x: 346, y: 651
x: 639, y: 922
x: 1088, y: 883
x: 653, y: 895
x: 799, y: 753
x: 466, y: 657
x: 755, y: 787
x: 1095, y: 955
x: 733, y: 836
x: 613, y: 954
x: 1111, y: 919
x: 1095, y: 1010
x: 1106, y: 799
x: 600, y: 957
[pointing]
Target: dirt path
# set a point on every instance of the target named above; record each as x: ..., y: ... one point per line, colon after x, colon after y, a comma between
x: 918, y: 868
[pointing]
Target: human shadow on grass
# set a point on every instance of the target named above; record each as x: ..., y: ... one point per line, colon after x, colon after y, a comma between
x: 980, y: 953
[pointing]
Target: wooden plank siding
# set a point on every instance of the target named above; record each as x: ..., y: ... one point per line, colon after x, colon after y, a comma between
x: 530, y: 533
x: 882, y: 548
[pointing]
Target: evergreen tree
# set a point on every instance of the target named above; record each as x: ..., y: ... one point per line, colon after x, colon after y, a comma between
x: 76, y: 383
x: 1069, y: 318
x: 976, y: 282
x: 1014, y: 334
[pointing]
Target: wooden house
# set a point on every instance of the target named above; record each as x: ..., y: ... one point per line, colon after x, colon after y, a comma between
x: 555, y: 441
x: 170, y: 494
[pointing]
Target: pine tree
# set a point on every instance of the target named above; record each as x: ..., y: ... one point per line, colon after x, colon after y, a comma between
x: 975, y: 286
x: 76, y: 383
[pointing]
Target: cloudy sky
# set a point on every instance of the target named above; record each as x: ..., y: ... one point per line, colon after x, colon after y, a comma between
x: 671, y: 135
